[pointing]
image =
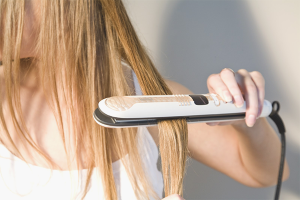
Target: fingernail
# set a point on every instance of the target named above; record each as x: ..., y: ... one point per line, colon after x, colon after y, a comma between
x: 251, y: 120
x: 227, y: 96
x: 239, y: 102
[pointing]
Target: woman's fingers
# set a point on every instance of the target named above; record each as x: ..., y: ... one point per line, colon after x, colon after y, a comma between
x: 228, y: 77
x: 213, y: 123
x: 259, y: 81
x: 251, y: 95
x: 217, y: 86
x: 226, y: 86
x: 232, y: 86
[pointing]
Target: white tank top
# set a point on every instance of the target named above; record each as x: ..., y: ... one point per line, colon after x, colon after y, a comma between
x: 22, y: 181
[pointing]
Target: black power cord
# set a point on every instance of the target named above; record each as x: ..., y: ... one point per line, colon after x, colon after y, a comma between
x: 281, y: 129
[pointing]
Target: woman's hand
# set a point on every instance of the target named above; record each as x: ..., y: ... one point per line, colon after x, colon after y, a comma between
x: 173, y: 197
x: 233, y: 86
x: 247, y: 155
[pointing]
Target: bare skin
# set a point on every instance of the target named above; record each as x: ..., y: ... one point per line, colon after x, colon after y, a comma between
x: 246, y: 150
x: 250, y: 155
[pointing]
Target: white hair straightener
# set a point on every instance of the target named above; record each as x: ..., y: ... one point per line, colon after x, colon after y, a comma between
x: 147, y: 110
x: 133, y: 111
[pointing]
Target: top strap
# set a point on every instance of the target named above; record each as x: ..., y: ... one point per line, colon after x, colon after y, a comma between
x: 138, y: 90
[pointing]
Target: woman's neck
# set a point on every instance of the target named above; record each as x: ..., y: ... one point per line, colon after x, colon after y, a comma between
x: 29, y: 77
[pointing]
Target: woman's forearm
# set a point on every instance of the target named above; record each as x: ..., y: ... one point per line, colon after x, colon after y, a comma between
x: 260, y: 148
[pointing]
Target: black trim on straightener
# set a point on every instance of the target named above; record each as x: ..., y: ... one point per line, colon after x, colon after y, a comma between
x: 114, y: 121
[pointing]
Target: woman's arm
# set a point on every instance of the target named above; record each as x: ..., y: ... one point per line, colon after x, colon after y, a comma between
x: 248, y: 155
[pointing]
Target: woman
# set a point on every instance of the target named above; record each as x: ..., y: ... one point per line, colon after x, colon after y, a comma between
x: 60, y: 58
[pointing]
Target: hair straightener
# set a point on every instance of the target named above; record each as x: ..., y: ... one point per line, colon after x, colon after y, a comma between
x: 133, y: 111
x: 147, y: 110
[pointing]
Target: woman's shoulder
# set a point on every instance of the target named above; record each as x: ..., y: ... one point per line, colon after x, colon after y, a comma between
x: 177, y: 88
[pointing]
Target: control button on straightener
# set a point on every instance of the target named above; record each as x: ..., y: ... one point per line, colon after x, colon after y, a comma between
x: 215, y: 98
x: 199, y: 99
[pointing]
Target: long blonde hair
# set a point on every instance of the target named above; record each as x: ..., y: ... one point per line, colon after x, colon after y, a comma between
x: 81, y: 45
